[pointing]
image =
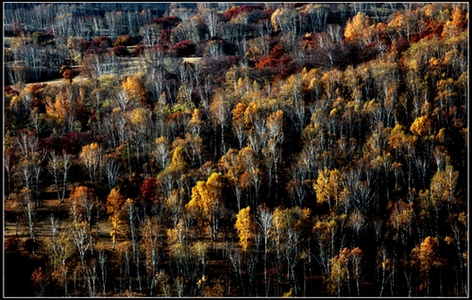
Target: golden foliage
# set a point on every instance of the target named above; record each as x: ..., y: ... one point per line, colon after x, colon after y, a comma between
x: 134, y: 88
x: 206, y: 196
x: 358, y: 29
x: 245, y: 226
x: 425, y: 255
x: 421, y: 126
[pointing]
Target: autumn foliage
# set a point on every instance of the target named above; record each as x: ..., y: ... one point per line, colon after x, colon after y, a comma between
x: 252, y: 150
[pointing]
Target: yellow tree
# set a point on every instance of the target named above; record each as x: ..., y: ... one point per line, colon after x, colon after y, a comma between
x: 321, y: 187
x: 358, y: 29
x: 231, y: 164
x: 61, y: 106
x: 285, y: 19
x: 114, y: 205
x: 404, y: 146
x: 422, y: 126
x: 63, y: 248
x: 139, y: 124
x: 205, y: 202
x: 195, y: 125
x: 86, y: 199
x: 425, y: 256
x: 289, y: 229
x: 327, y: 231
x: 338, y: 275
x: 91, y: 156
x: 440, y: 196
x: 134, y: 88
x: 172, y: 175
x: 238, y: 123
x: 328, y: 187
x: 245, y: 226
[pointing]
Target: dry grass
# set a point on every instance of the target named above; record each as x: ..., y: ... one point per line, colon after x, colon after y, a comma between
x: 192, y: 60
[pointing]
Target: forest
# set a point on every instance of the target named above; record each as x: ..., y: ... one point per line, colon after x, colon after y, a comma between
x: 235, y: 149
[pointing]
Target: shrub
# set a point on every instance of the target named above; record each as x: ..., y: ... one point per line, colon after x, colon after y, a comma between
x: 120, y: 51
x: 122, y: 40
x: 184, y: 48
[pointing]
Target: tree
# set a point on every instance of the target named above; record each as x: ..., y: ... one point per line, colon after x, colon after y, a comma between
x: 231, y: 164
x: 238, y: 123
x: 139, y: 123
x: 130, y: 209
x: 273, y: 155
x: 358, y: 29
x: 206, y: 200
x: 338, y: 276
x: 285, y: 19
x: 40, y: 280
x: 63, y: 249
x: 114, y: 205
x: 387, y: 266
x: 30, y: 210
x: 102, y: 258
x: 148, y: 193
x: 245, y: 227
x: 315, y: 16
x: 31, y: 160
x: 112, y: 169
x: 328, y: 187
x: 80, y: 235
x: 458, y: 225
x: 327, y: 233
x: 219, y: 108
x: 255, y: 122
x: 171, y: 177
x: 9, y: 162
x: 288, y: 228
x: 252, y: 178
x: 161, y: 152
x: 355, y: 258
x: 67, y: 73
x: 211, y: 21
x: 297, y: 186
x: 426, y: 258
x: 91, y: 156
x: 86, y: 198
x: 150, y: 243
x: 440, y: 196
x: 60, y: 165
x: 272, y: 151
x: 357, y: 222
x: 264, y: 220
x: 193, y: 148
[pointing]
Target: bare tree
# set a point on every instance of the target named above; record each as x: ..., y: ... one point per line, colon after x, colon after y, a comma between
x: 30, y: 210
x: 10, y: 169
x: 264, y: 220
x: 103, y: 268
x: 80, y: 235
x: 91, y: 156
x: 210, y: 18
x: 60, y: 165
x: 112, y: 170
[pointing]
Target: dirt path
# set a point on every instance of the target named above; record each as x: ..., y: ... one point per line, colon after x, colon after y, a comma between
x: 61, y: 81
x: 81, y: 79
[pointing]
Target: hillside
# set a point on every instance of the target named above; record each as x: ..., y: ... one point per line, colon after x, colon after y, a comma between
x: 246, y: 150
